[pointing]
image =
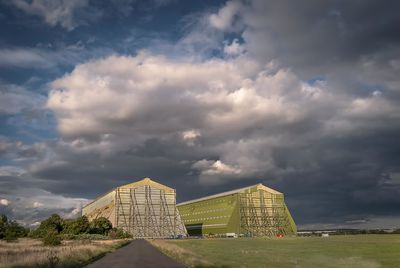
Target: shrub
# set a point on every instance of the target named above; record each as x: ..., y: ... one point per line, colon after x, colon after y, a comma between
x: 100, y: 226
x: 51, y: 239
x: 10, y: 235
x: 11, y: 230
x: 53, y: 224
x: 116, y: 233
x: 77, y: 226
x: 3, y: 225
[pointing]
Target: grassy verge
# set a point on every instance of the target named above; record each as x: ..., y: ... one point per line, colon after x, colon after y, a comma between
x: 32, y: 253
x: 367, y: 251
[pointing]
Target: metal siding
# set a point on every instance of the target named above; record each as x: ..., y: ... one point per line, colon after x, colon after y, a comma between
x: 251, y: 211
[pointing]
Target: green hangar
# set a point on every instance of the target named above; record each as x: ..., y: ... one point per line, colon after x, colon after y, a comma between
x: 251, y: 211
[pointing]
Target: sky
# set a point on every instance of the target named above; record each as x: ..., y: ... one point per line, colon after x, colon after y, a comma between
x: 205, y: 97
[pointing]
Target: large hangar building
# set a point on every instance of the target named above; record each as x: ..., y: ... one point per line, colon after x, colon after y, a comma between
x: 251, y: 211
x: 145, y: 209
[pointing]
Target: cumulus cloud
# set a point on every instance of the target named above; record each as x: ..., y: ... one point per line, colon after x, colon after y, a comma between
x: 225, y: 17
x: 234, y: 48
x: 220, y: 121
x: 241, y: 112
x: 190, y: 136
x: 4, y: 202
x: 37, y: 204
x: 213, y: 172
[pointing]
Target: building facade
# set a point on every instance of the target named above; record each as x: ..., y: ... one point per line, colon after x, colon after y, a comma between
x: 251, y: 211
x: 145, y: 209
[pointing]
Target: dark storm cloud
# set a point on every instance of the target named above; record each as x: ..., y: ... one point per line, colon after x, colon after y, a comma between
x: 320, y: 37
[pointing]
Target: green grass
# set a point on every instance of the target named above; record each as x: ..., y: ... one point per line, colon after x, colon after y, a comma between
x: 334, y: 251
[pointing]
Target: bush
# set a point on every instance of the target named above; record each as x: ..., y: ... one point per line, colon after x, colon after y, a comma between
x: 100, y: 226
x: 116, y: 233
x: 51, y: 239
x: 10, y: 236
x: 53, y: 224
x: 77, y: 226
x: 11, y: 230
x: 3, y: 225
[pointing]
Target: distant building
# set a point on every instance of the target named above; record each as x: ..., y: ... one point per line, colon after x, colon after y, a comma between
x: 145, y: 209
x: 251, y: 211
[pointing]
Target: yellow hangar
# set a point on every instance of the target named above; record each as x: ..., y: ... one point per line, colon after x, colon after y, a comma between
x: 145, y: 209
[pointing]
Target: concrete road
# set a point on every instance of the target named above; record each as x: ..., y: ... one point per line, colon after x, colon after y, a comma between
x: 139, y: 253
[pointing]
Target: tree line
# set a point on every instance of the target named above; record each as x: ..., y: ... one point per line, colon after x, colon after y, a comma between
x: 54, y: 229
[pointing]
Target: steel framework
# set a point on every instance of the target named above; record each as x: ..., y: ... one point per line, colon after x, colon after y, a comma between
x: 263, y: 214
x: 250, y: 211
x: 146, y: 212
x: 145, y: 209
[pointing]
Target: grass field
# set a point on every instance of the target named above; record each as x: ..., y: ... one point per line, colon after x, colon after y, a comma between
x: 32, y: 253
x: 367, y: 251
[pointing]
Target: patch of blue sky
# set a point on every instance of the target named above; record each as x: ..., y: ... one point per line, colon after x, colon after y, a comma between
x: 315, y: 80
x: 29, y: 128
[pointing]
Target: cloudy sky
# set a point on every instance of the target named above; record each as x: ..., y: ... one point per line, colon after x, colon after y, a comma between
x: 204, y: 96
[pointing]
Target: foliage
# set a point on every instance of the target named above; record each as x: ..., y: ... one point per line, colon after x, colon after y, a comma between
x: 100, y: 226
x: 3, y: 225
x: 54, y: 224
x: 11, y: 230
x: 79, y: 228
x: 117, y: 233
x: 51, y: 239
x: 75, y: 227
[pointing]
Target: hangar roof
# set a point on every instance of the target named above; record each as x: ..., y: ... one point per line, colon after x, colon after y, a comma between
x: 145, y: 181
x: 258, y: 186
x: 150, y: 182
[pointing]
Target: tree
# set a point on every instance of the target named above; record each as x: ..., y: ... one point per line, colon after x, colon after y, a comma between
x: 11, y: 230
x: 3, y: 225
x: 53, y: 224
x: 100, y: 226
x: 77, y: 226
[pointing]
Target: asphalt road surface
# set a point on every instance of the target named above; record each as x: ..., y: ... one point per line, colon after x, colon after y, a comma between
x: 139, y: 253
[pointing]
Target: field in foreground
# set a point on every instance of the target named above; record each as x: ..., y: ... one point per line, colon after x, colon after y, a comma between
x: 367, y: 251
x: 31, y: 253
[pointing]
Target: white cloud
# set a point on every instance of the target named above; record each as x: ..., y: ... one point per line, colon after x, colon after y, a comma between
x: 32, y: 204
x: 240, y: 109
x: 234, y: 48
x: 190, y: 136
x: 37, y: 204
x: 20, y: 57
x: 225, y: 17
x: 4, y: 202
x: 212, y: 168
x: 216, y: 172
x: 56, y: 12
